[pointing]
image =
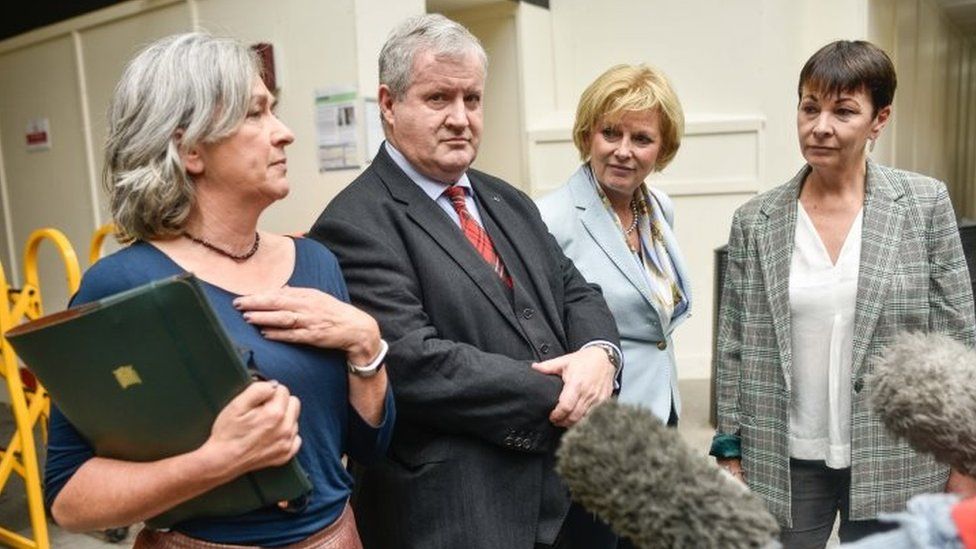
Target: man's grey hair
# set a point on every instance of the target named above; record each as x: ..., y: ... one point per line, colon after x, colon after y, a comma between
x: 180, y: 91
x: 421, y: 33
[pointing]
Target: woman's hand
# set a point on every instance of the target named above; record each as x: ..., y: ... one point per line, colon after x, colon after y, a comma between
x: 734, y: 467
x: 257, y: 429
x: 313, y: 317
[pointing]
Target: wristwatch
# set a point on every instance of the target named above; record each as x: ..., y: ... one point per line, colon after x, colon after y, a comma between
x: 613, y: 355
x: 374, y: 366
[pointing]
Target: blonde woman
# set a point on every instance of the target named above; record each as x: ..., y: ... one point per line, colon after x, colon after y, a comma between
x: 618, y: 230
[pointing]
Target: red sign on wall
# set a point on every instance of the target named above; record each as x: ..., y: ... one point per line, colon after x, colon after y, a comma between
x: 38, y: 134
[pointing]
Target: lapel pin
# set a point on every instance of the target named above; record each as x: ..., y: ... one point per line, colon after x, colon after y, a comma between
x: 495, y: 198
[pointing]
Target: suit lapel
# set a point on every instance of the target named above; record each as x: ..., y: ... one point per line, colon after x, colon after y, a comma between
x: 880, y: 239
x: 678, y: 262
x: 775, y: 253
x: 431, y: 219
x: 605, y: 233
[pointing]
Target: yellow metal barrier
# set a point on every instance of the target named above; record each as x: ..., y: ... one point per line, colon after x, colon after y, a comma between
x: 29, y: 401
x: 95, y: 250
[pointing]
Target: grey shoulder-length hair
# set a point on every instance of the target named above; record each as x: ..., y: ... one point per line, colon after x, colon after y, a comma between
x: 422, y: 33
x: 178, y: 92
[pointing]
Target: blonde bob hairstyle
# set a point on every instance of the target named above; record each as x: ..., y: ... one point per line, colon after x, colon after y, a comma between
x: 630, y: 88
x: 178, y: 92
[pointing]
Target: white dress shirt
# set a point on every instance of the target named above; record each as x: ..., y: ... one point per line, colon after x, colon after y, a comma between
x: 822, y: 304
x: 435, y: 189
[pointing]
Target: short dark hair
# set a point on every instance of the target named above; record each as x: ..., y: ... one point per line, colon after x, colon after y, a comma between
x: 847, y: 66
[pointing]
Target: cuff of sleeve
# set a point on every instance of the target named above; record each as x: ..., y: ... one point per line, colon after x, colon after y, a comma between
x: 726, y: 446
x: 367, y: 442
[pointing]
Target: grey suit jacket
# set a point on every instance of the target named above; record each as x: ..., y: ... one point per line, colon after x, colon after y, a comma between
x: 913, y: 276
x: 588, y: 235
x: 471, y: 460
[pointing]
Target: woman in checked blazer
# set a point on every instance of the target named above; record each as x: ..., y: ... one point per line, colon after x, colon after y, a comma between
x: 824, y: 272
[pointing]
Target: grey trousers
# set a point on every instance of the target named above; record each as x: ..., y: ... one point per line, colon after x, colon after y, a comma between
x: 819, y: 493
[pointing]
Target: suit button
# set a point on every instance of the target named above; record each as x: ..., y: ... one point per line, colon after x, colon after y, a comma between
x: 662, y: 345
x: 858, y: 384
x: 544, y: 348
x: 527, y: 313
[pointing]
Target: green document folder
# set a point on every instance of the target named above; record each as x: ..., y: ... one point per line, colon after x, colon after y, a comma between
x: 142, y: 375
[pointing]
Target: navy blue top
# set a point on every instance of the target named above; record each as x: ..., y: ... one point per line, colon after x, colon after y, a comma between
x: 328, y: 424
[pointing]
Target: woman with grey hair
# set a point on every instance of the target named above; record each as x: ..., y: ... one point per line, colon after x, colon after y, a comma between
x: 190, y: 165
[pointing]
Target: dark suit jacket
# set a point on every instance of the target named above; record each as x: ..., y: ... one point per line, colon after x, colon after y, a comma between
x: 471, y: 462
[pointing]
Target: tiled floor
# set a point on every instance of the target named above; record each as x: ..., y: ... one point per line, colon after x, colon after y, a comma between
x: 694, y: 426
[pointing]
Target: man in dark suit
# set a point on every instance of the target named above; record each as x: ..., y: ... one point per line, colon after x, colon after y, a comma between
x: 497, y: 343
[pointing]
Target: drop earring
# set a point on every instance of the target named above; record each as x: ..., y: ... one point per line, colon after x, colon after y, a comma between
x: 871, y: 144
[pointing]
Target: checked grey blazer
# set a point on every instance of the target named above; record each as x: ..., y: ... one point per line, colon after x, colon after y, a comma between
x: 913, y: 277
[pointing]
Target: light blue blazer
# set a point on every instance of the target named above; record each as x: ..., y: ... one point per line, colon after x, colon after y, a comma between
x: 588, y: 235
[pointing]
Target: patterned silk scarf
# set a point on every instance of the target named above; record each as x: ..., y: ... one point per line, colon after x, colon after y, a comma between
x: 653, y: 253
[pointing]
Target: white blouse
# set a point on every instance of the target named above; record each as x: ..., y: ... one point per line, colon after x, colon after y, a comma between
x: 822, y: 302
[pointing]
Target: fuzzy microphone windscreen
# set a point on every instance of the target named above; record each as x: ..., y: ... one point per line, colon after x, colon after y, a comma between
x: 924, y: 389
x: 625, y: 465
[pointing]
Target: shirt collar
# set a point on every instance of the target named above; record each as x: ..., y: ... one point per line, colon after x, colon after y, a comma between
x: 433, y: 189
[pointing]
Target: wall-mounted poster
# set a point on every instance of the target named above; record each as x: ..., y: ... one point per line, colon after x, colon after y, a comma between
x: 337, y: 128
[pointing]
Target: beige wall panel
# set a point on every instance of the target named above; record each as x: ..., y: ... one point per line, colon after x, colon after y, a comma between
x: 904, y: 123
x: 8, y: 261
x: 106, y: 49
x: 694, y: 170
x: 882, y: 31
x: 969, y: 172
x: 929, y: 92
x: 46, y: 188
x: 951, y: 122
x: 314, y: 46
x: 374, y: 20
x: 534, y: 27
x: 501, y: 143
x: 708, y: 70
x: 554, y: 159
x: 701, y: 225
x: 930, y: 126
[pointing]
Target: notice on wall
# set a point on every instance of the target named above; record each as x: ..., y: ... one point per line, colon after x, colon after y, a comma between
x: 337, y: 128
x: 38, y: 135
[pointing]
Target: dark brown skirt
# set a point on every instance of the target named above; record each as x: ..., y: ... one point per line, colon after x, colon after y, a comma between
x: 341, y: 534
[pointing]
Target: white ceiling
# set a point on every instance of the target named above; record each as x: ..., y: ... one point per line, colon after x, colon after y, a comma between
x: 962, y: 13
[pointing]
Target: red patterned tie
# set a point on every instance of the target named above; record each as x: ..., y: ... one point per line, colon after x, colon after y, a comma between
x: 476, y: 234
